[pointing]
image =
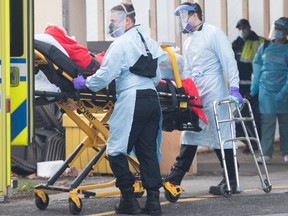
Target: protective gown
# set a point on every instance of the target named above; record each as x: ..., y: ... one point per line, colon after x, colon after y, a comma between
x: 117, y: 61
x: 270, y: 73
x: 207, y: 53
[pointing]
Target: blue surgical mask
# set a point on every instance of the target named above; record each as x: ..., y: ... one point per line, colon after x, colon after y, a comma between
x: 279, y: 34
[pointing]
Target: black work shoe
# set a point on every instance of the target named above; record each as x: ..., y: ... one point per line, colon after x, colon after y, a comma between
x: 152, y: 204
x: 128, y: 203
x: 217, y: 191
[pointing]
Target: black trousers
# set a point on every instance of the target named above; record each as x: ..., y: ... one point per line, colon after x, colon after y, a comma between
x: 245, y: 91
x: 142, y: 138
x: 187, y: 154
x: 229, y: 162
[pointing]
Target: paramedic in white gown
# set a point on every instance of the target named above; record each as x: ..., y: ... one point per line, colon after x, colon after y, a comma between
x: 134, y: 122
x: 208, y: 59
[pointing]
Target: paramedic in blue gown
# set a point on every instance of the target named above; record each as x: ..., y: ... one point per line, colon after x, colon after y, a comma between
x: 270, y: 82
x: 207, y: 55
x: 135, y: 120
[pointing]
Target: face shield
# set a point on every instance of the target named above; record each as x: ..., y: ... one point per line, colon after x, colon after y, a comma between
x: 277, y: 33
x: 183, y: 13
x: 279, y: 29
x: 271, y: 33
x: 184, y: 25
x: 117, y: 23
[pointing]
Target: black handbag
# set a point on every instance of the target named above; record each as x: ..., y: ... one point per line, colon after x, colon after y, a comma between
x: 145, y: 66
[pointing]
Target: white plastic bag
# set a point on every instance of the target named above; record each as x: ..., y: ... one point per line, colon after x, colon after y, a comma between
x: 43, y: 84
x: 167, y: 70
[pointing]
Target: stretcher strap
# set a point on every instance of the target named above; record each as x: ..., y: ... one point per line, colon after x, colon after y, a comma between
x: 77, y: 96
x: 173, y: 92
x: 57, y: 57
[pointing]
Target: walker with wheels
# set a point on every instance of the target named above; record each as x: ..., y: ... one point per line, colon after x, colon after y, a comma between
x: 235, y: 116
x: 173, y: 192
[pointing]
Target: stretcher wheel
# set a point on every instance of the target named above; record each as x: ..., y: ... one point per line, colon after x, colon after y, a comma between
x: 224, y: 190
x: 170, y: 197
x: 74, y: 209
x: 40, y: 203
x: 267, y: 188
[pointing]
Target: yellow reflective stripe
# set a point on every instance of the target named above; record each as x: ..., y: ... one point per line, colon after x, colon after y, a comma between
x: 19, y: 124
x: 245, y: 82
x: 249, y: 50
x: 19, y: 112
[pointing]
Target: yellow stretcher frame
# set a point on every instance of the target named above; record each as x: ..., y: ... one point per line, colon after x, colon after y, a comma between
x: 97, y: 135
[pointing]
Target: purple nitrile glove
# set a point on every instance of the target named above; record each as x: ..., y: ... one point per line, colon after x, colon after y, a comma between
x: 236, y: 96
x: 79, y: 82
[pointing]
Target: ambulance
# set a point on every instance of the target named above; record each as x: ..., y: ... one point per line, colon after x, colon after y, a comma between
x: 16, y: 83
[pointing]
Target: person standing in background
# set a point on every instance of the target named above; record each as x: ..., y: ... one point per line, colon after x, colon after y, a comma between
x: 270, y: 82
x: 245, y: 48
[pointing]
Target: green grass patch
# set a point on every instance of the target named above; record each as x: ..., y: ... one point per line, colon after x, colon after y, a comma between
x: 25, y: 186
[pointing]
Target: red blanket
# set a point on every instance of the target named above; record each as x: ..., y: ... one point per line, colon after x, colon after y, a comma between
x: 191, y: 89
x: 78, y: 53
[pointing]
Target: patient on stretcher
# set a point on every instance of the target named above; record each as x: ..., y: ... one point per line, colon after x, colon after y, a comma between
x: 62, y: 50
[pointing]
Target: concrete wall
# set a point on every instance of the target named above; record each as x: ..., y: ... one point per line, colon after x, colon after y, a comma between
x: 80, y: 17
x: 68, y: 14
x: 75, y: 19
x: 47, y: 12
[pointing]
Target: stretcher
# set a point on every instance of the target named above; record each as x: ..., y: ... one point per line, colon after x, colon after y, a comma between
x: 61, y: 71
x: 235, y: 116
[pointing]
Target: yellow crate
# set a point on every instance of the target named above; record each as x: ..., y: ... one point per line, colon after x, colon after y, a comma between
x: 170, y: 149
x: 73, y: 137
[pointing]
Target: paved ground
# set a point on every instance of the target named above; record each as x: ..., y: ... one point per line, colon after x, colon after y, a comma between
x: 195, y: 199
